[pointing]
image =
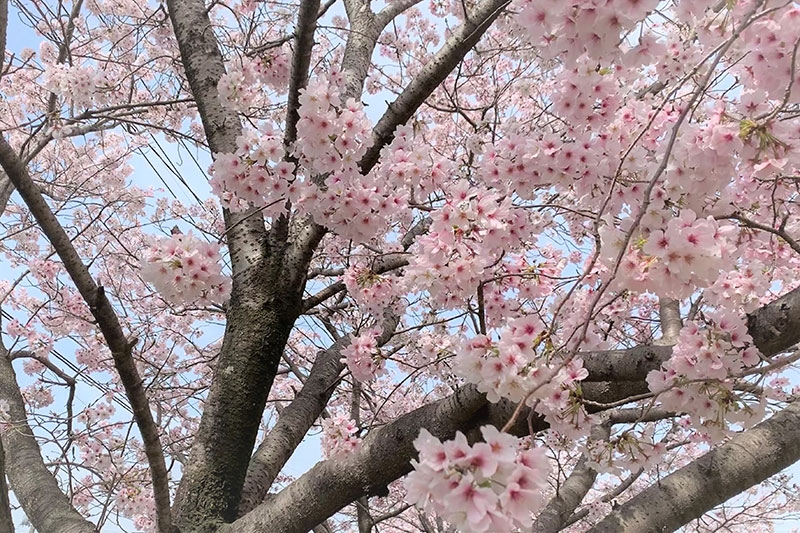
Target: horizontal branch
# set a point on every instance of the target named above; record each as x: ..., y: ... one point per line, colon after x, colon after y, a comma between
x: 388, y: 455
x: 775, y: 327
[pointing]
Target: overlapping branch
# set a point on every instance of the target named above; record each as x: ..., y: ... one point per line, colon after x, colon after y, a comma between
x: 383, y: 457
x: 297, y: 418
x: 301, y: 59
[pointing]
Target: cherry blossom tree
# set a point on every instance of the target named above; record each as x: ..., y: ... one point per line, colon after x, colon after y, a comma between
x: 514, y: 264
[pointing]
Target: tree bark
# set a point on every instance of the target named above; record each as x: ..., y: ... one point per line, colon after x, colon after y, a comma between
x: 6, y: 520
x: 268, y: 271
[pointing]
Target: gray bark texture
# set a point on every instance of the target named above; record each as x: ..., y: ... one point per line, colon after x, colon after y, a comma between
x: 6, y: 520
x: 269, y: 273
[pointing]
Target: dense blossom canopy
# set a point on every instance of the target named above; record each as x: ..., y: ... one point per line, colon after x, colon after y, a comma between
x: 500, y: 264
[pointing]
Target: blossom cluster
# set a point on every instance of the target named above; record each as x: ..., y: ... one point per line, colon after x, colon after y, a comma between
x: 363, y: 356
x: 333, y: 137
x: 355, y: 207
x: 472, y: 230
x: 138, y: 503
x: 33, y: 336
x: 255, y: 175
x: 94, y: 452
x: 81, y: 85
x: 37, y: 395
x: 96, y: 413
x: 186, y: 270
x: 572, y: 29
x: 490, y: 486
x: 586, y: 96
x: 240, y: 87
x: 520, y: 363
x: 769, y: 62
x: 697, y: 379
x: 740, y: 288
x: 688, y: 253
x: 414, y: 164
x: 339, y: 436
x: 372, y: 292
x: 702, y: 165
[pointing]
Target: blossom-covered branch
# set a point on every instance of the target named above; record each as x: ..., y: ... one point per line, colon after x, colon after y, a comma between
x: 107, y: 321
x: 386, y: 453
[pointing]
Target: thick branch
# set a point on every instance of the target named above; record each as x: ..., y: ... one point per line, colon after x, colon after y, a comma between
x: 268, y: 281
x: 775, y: 327
x: 361, y: 41
x: 47, y: 508
x: 360, y: 45
x: 301, y: 505
x: 570, y: 493
x: 431, y: 76
x: 6, y: 520
x: 669, y: 312
x: 202, y: 62
x: 297, y: 418
x: 301, y: 59
x: 107, y: 322
x: 292, y: 426
x: 349, y: 480
x: 748, y: 459
x: 385, y: 457
x: 392, y: 10
x: 630, y: 364
x: 355, y: 65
